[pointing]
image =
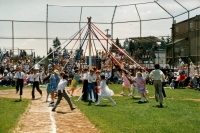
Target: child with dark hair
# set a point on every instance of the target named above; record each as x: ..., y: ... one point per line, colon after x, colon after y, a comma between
x: 104, y: 91
x: 61, y: 92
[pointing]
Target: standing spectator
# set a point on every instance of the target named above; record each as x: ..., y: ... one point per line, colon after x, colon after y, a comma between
x: 191, y: 69
x: 157, y: 75
x: 21, y: 54
x: 24, y: 54
x: 19, y: 76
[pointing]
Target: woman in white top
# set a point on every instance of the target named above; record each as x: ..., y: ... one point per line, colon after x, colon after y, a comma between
x: 91, y: 85
x: 104, y: 91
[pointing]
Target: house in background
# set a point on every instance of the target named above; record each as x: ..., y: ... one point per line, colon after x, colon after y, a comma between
x: 185, y: 43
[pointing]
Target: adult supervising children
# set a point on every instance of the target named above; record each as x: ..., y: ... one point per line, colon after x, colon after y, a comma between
x: 157, y: 75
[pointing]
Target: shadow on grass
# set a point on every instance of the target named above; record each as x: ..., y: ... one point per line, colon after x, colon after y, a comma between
x: 18, y: 100
x: 135, y: 98
x: 105, y: 105
x: 158, y: 106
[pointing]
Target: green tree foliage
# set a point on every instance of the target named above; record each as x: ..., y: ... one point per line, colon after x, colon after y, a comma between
x: 126, y: 45
x: 56, y: 43
x: 164, y: 43
x: 38, y: 58
x: 51, y: 55
x: 113, y: 48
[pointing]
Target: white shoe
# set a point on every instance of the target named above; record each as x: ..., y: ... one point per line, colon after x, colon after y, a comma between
x: 130, y: 94
x: 122, y: 93
x: 114, y: 104
x: 141, y: 101
x: 97, y: 104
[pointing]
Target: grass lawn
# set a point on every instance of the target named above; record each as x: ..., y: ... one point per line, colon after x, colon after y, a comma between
x: 179, y: 115
x: 10, y: 112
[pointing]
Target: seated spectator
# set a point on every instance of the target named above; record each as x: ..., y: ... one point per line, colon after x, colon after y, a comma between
x: 172, y: 84
x: 115, y: 76
x: 13, y: 80
x: 108, y: 75
x: 5, y: 79
x: 181, y: 78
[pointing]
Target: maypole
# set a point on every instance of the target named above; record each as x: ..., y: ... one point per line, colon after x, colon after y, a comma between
x: 90, y: 43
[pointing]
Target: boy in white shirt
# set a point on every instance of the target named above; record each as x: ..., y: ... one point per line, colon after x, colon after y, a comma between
x: 61, y: 92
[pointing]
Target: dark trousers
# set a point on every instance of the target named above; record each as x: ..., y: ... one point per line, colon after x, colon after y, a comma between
x: 60, y: 95
x: 36, y: 85
x: 19, y: 85
x: 84, y: 91
x: 163, y: 90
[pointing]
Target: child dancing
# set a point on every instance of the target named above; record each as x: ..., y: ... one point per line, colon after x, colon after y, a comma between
x: 61, y: 93
x: 141, y: 86
x: 126, y: 83
x: 75, y: 81
x: 104, y: 91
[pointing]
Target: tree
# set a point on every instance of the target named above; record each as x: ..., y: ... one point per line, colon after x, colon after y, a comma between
x: 162, y: 44
x: 114, y: 48
x: 51, y: 55
x: 165, y: 42
x: 56, y: 43
x: 126, y: 45
x: 38, y: 58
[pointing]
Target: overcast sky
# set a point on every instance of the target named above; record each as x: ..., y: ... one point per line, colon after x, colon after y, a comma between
x: 35, y: 10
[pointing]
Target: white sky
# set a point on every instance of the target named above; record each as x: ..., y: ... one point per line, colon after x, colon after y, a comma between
x: 35, y: 10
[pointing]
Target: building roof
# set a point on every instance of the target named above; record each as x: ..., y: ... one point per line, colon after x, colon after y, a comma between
x: 146, y: 39
x: 176, y: 41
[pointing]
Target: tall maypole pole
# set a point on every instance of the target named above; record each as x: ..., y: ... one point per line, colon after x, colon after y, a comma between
x: 90, y: 43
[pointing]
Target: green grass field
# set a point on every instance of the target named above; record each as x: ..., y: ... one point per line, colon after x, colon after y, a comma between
x: 10, y: 112
x: 179, y: 115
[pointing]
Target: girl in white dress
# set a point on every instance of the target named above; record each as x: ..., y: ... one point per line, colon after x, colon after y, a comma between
x: 104, y: 91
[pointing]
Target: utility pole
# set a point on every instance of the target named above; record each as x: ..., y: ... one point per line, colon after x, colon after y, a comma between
x: 107, y: 36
